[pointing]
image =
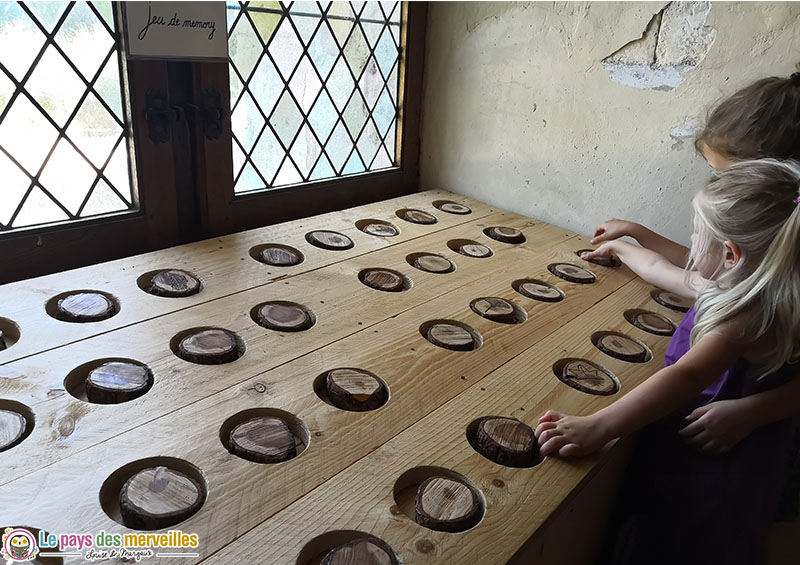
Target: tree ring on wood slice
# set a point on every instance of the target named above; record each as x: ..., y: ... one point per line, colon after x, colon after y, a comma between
x: 505, y: 234
x: 431, y: 263
x: 384, y: 279
x: 572, y: 273
x: 586, y: 376
x: 279, y: 255
x: 378, y: 228
x: 505, y: 441
x: 14, y: 426
x: 452, y: 207
x: 364, y: 551
x: 174, y: 283
x: 82, y: 306
x: 284, y: 316
x: 263, y: 439
x: 117, y: 381
x: 538, y: 290
x: 469, y: 248
x: 622, y: 347
x: 650, y: 322
x: 446, y: 505
x: 417, y: 216
x: 671, y: 301
x: 498, y: 310
x: 355, y: 390
x: 330, y: 240
x: 452, y: 335
x: 602, y: 261
x: 209, y: 346
x: 159, y: 497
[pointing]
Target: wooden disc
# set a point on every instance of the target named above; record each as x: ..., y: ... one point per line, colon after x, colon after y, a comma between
x: 446, y: 505
x: 451, y: 336
x: 622, y: 347
x: 365, y: 551
x: 539, y: 290
x: 382, y: 279
x: 331, y: 240
x: 672, y: 301
x: 506, y: 235
x: 209, y: 347
x: 454, y: 208
x: 174, y: 283
x: 284, y: 317
x: 602, y: 261
x: 433, y: 264
x: 117, y: 381
x: 281, y: 256
x: 475, y: 250
x: 264, y: 439
x: 651, y: 322
x: 84, y: 307
x: 381, y: 230
x: 587, y: 377
x: 572, y: 273
x: 12, y: 428
x: 354, y: 389
x: 495, y: 309
x: 419, y: 217
x: 506, y: 441
x: 159, y: 497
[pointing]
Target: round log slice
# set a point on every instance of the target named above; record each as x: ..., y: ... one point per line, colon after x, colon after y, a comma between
x: 419, y: 217
x: 209, y: 347
x: 451, y: 336
x: 572, y: 273
x: 85, y: 307
x: 365, y: 551
x: 284, y: 317
x: 159, y: 497
x: 495, y: 309
x: 602, y: 261
x: 382, y: 279
x: 381, y: 230
x: 506, y: 441
x: 281, y: 256
x: 539, y: 290
x: 651, y: 322
x: 433, y: 264
x: 587, y: 377
x: 331, y: 240
x: 622, y: 347
x: 475, y: 250
x: 12, y: 427
x: 672, y: 301
x: 116, y: 382
x: 355, y: 390
x: 174, y: 283
x: 446, y: 505
x: 264, y: 439
x: 506, y: 235
x: 454, y: 208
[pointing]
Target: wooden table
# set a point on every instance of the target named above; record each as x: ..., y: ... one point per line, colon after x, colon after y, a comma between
x: 355, y: 470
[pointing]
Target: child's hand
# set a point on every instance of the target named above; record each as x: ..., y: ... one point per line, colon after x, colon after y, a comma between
x: 612, y: 229
x: 717, y: 427
x: 608, y: 249
x: 569, y: 435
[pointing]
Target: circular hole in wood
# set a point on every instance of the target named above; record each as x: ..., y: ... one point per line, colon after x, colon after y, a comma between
x: 499, y: 310
x: 82, y: 306
x: 16, y: 423
x: 452, y: 207
x: 470, y: 248
x: 347, y: 547
x: 431, y: 263
x: 538, y: 290
x: 572, y: 273
x: 153, y: 493
x: 602, y: 261
x: 505, y: 234
x: 650, y: 321
x: 330, y: 240
x: 21, y: 543
x: 207, y: 345
x: 439, y: 499
x: 586, y: 376
x: 451, y: 334
x: 505, y: 441
x: 283, y: 316
x: 9, y: 333
x: 672, y: 301
x: 416, y: 216
x: 379, y: 228
x: 621, y: 346
x: 111, y: 380
x: 265, y: 435
x: 277, y: 255
x: 170, y: 283
x: 351, y: 389
x: 386, y: 280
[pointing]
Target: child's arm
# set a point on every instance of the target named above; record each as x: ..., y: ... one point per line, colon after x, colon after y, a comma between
x: 666, y: 391
x: 675, y: 253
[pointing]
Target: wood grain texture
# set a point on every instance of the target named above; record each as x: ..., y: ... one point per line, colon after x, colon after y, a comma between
x: 209, y: 347
x: 573, y: 273
x: 281, y: 256
x: 115, y: 382
x: 507, y: 441
x: 451, y: 336
x: 446, y: 505
x: 622, y: 347
x: 453, y: 208
x: 174, y: 283
x: 434, y: 264
x: 505, y: 234
x: 475, y: 250
x: 418, y: 217
x: 285, y: 317
x: 159, y: 497
x: 331, y: 240
x: 84, y: 307
x: 672, y: 301
x: 540, y: 290
x: 383, y: 279
x: 355, y: 389
x: 381, y: 230
x: 264, y: 439
x: 12, y: 427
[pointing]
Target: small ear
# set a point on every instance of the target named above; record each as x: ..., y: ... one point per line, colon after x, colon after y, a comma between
x: 731, y: 254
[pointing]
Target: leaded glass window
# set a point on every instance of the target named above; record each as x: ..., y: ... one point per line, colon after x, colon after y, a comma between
x: 314, y: 90
x: 64, y: 153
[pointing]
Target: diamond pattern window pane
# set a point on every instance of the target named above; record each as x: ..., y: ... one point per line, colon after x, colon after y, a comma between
x: 323, y: 74
x: 64, y: 151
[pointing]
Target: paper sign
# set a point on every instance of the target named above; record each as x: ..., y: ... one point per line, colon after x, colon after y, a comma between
x: 176, y: 30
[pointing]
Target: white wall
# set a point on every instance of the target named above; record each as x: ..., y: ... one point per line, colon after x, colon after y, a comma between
x: 520, y: 112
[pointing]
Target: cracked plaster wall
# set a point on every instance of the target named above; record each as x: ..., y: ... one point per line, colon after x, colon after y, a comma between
x: 520, y: 111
